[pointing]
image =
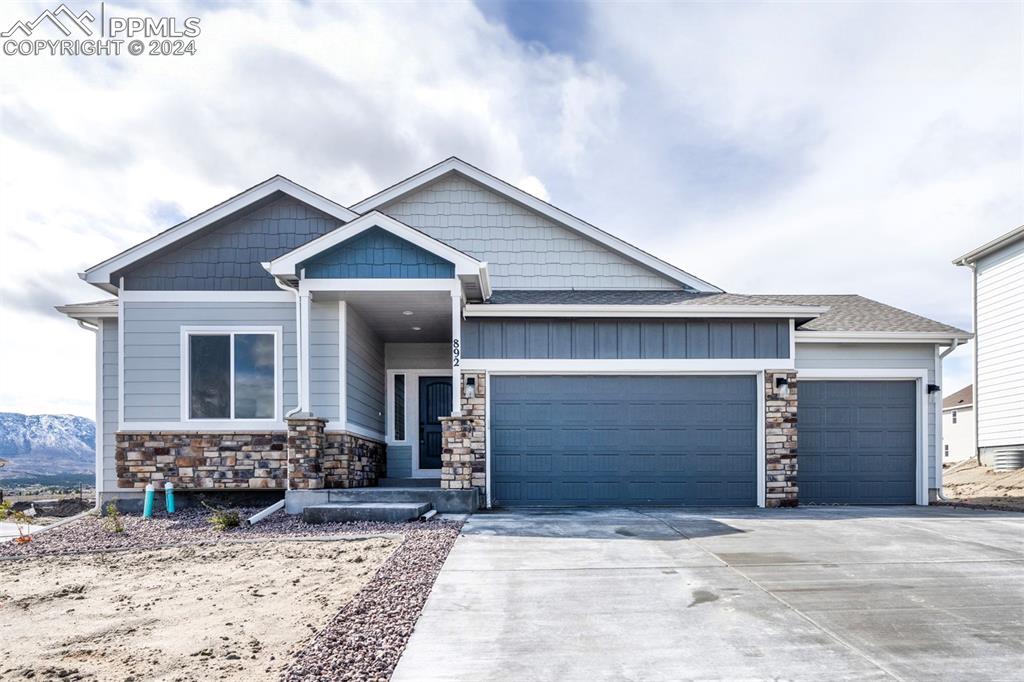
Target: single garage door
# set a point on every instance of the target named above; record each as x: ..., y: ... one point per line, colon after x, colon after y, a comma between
x: 857, y: 442
x: 623, y: 440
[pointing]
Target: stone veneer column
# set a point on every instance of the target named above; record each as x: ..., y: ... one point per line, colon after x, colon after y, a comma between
x: 780, y: 435
x: 464, y: 441
x: 306, y: 441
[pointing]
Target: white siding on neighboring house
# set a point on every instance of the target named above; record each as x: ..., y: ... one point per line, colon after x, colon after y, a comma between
x: 958, y: 437
x: 999, y: 385
x: 870, y: 356
x: 523, y: 249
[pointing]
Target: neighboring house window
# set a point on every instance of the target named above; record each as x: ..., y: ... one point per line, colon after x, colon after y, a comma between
x: 232, y: 375
x: 399, y: 410
x: 954, y: 416
x: 945, y: 450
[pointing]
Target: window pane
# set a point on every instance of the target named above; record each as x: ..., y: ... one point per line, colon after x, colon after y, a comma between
x: 254, y: 376
x: 209, y: 377
x: 399, y: 407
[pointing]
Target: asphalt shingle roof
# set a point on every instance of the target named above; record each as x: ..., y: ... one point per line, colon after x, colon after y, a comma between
x: 847, y: 312
x: 962, y: 398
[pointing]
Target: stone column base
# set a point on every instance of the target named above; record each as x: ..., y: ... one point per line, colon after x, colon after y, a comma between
x: 780, y: 435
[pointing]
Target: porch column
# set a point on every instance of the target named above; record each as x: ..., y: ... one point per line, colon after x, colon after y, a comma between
x: 303, y: 353
x: 456, y: 352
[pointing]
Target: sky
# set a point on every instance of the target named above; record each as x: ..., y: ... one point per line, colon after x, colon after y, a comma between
x: 765, y: 147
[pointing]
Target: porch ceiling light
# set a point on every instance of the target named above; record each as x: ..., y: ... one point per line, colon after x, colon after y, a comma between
x: 416, y: 329
x: 408, y: 312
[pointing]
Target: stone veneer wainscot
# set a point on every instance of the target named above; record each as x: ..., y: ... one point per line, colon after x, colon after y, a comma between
x: 464, y: 441
x: 780, y: 435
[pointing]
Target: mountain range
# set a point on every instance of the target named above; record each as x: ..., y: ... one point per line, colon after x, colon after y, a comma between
x: 47, y: 447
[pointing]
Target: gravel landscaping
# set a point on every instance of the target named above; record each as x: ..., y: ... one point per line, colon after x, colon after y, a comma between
x: 362, y: 640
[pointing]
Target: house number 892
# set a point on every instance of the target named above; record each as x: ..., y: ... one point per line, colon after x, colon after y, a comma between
x: 455, y: 352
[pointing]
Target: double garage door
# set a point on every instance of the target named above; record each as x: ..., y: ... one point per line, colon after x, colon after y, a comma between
x: 692, y: 440
x: 623, y: 440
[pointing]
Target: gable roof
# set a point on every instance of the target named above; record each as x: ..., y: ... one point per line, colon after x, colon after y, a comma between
x: 101, y: 273
x: 465, y: 265
x: 991, y: 247
x: 456, y: 165
x: 962, y: 398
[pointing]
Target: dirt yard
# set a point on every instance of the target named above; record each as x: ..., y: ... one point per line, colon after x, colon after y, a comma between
x: 231, y: 611
x: 969, y: 483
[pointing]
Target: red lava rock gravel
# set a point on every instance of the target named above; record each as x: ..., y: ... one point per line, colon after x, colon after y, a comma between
x: 362, y: 642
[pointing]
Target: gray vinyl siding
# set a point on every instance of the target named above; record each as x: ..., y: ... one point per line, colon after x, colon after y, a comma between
x: 624, y: 339
x: 109, y: 397
x: 417, y: 356
x: 365, y: 374
x: 523, y: 249
x: 878, y: 356
x: 999, y: 395
x: 399, y: 461
x: 227, y: 256
x: 152, y: 351
x: 324, y: 383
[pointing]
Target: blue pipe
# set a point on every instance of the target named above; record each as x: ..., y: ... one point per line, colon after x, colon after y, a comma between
x: 169, y: 497
x: 147, y: 506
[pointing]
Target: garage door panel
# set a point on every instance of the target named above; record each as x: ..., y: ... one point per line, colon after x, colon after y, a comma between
x: 858, y: 442
x: 626, y: 440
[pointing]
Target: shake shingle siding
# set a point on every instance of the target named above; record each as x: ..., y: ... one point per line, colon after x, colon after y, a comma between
x: 228, y: 257
x: 523, y: 249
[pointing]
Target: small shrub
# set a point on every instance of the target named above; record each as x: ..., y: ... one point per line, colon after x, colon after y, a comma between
x: 223, y: 519
x: 113, y: 521
x: 20, y: 518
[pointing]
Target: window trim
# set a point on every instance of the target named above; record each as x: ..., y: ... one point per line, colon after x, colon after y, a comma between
x: 188, y: 331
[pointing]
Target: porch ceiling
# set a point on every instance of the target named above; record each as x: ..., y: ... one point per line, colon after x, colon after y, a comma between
x: 384, y: 312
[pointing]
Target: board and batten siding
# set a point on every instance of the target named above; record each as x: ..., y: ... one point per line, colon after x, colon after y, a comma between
x: 108, y: 395
x: 523, y: 249
x: 324, y: 360
x: 496, y: 338
x: 227, y: 256
x: 365, y: 374
x: 152, y: 351
x: 870, y: 356
x: 999, y: 394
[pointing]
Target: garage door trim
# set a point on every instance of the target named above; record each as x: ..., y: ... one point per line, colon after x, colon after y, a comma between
x: 760, y: 410
x: 918, y: 375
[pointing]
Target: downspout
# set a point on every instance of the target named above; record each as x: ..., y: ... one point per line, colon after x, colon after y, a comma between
x: 298, y: 349
x: 938, y: 425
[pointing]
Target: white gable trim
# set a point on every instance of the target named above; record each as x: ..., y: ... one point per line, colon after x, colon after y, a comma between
x: 542, y: 207
x: 99, y: 275
x: 285, y: 266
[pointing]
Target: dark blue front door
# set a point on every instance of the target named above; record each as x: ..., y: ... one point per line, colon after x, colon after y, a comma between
x: 435, y: 402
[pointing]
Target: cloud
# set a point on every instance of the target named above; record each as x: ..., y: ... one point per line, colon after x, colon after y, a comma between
x: 794, y: 147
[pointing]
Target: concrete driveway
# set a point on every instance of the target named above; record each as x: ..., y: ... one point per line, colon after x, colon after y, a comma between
x: 663, y: 594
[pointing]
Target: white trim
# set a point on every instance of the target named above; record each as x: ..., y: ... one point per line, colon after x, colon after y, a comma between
x: 487, y: 439
x: 208, y: 296
x: 100, y: 274
x: 533, y: 203
x: 311, y: 286
x: 972, y: 257
x: 343, y: 362
x: 88, y: 312
x: 762, y: 445
x: 206, y: 426
x: 357, y: 430
x: 792, y: 339
x: 99, y: 411
x: 412, y: 415
x: 188, y: 423
x: 456, y: 354
x: 659, y: 366
x: 881, y: 337
x: 284, y: 266
x: 918, y: 375
x: 937, y: 410
x: 700, y: 311
x: 120, y: 358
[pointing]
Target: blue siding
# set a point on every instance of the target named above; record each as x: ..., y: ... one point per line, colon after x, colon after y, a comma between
x: 365, y: 374
x: 399, y: 461
x: 377, y: 253
x: 324, y: 381
x: 227, y: 255
x: 618, y: 440
x: 624, y: 339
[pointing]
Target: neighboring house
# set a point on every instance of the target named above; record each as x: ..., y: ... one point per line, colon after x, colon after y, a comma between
x: 958, y: 425
x: 998, y: 290
x: 456, y: 329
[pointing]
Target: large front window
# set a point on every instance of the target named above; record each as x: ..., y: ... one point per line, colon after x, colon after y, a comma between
x: 232, y: 375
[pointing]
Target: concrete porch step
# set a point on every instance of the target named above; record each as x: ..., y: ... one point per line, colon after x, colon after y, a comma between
x: 417, y: 494
x: 409, y: 483
x: 365, y: 511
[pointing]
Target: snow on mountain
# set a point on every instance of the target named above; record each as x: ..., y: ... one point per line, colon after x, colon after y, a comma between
x: 46, y: 444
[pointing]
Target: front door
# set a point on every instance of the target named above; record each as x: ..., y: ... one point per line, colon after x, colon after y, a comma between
x: 435, y: 402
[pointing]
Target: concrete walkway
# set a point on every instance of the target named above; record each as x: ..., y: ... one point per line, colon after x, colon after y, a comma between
x: 808, y: 594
